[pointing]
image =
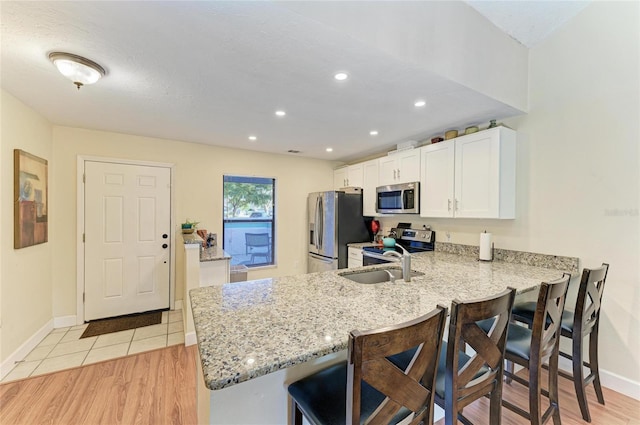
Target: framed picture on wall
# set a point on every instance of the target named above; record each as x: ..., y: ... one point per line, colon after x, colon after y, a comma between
x: 30, y: 199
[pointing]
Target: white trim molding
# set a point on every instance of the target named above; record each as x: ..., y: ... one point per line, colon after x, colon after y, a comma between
x: 64, y: 321
x: 22, y: 351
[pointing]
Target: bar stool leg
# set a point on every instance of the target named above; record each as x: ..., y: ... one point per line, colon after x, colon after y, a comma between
x: 593, y: 363
x: 553, y: 389
x: 578, y: 377
x: 534, y: 393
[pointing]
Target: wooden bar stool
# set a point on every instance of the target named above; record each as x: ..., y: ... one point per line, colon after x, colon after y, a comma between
x: 531, y: 348
x: 576, y: 325
x: 370, y: 388
x: 463, y: 379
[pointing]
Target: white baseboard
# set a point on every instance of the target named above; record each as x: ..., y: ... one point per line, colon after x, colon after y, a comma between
x: 190, y: 339
x: 610, y: 380
x: 178, y: 305
x: 22, y: 351
x: 64, y: 321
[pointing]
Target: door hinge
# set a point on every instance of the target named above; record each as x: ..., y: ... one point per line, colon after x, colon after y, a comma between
x: 83, y: 294
x: 84, y: 178
x: 83, y: 238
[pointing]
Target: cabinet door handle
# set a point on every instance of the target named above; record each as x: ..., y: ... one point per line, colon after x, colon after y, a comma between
x: 456, y: 204
x: 448, y: 204
x: 398, y: 173
x: 394, y: 173
x: 347, y: 182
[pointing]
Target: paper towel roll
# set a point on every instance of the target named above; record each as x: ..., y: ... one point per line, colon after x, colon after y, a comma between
x: 486, y: 253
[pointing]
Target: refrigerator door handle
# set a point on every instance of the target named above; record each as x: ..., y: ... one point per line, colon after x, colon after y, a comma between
x: 321, y: 258
x: 315, y: 224
x: 321, y: 221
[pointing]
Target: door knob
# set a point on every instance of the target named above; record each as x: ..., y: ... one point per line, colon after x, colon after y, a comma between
x: 164, y: 245
x: 165, y: 236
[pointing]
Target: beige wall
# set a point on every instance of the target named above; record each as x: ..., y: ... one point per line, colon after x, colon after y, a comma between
x: 198, y: 196
x: 578, y: 160
x: 25, y: 274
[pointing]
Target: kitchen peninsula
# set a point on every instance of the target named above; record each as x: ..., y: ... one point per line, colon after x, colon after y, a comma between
x: 271, y: 332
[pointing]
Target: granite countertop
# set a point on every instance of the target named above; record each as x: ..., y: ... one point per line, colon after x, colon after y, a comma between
x: 215, y: 253
x: 362, y: 244
x: 249, y: 329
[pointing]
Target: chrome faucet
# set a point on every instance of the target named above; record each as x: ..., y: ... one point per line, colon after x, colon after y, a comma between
x: 405, y: 259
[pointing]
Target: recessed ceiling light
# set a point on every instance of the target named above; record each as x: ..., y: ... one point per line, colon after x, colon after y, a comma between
x: 341, y: 76
x: 281, y: 113
x: 373, y: 132
x: 253, y: 138
x: 419, y: 103
x: 329, y: 149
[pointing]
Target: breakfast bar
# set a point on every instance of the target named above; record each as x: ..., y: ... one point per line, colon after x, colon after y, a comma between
x: 255, y: 337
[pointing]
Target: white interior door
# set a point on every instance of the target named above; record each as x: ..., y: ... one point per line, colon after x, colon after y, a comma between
x: 127, y: 225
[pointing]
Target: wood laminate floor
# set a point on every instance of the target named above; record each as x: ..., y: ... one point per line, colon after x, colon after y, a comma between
x: 155, y: 387
x: 158, y: 387
x: 618, y: 410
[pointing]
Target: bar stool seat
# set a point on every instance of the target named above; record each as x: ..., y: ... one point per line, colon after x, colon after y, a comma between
x: 525, y: 311
x: 323, y: 397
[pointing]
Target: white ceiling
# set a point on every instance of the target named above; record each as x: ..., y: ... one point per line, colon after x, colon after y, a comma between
x: 215, y: 73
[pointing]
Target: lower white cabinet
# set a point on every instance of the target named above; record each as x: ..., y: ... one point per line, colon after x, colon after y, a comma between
x: 214, y: 272
x: 472, y: 176
x: 355, y: 257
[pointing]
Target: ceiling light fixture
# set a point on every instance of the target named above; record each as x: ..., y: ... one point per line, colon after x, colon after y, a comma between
x: 281, y: 113
x: 76, y: 68
x: 253, y: 138
x: 341, y: 76
x: 329, y: 149
x: 419, y: 103
x: 373, y: 132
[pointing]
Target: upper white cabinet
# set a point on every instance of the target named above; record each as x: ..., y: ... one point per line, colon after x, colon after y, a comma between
x: 370, y: 183
x: 348, y: 176
x: 399, y: 167
x: 472, y: 176
x: 436, y: 180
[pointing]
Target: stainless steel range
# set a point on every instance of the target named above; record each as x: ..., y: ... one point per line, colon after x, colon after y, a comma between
x: 413, y: 240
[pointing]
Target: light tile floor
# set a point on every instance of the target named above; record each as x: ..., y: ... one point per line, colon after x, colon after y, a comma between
x: 63, y: 348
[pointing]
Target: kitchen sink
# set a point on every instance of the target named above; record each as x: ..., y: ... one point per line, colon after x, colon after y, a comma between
x: 378, y: 275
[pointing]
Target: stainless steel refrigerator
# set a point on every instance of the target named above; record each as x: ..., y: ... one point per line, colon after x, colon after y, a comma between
x: 335, y: 219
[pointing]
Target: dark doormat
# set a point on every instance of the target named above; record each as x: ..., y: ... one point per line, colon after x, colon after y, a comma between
x: 122, y: 323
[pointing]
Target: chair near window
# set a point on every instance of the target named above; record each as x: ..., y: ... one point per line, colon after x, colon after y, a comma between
x: 371, y: 387
x: 531, y: 348
x: 258, y: 245
x: 576, y: 326
x: 464, y: 378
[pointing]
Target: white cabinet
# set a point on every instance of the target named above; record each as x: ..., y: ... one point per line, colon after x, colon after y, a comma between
x: 369, y: 185
x: 399, y: 167
x: 472, y: 176
x: 436, y: 180
x: 214, y: 272
x: 350, y: 176
x: 355, y: 257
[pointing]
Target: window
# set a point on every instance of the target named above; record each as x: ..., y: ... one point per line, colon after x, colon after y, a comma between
x: 248, y: 224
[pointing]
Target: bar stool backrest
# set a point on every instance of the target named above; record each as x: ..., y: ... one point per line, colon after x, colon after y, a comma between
x: 412, y: 388
x: 545, y: 337
x: 588, y: 303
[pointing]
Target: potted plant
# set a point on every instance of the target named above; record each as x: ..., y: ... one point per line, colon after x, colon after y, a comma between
x: 189, y: 226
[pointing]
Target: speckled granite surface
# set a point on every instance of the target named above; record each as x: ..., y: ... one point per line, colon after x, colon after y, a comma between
x: 569, y: 264
x: 214, y: 253
x: 191, y: 238
x: 249, y: 329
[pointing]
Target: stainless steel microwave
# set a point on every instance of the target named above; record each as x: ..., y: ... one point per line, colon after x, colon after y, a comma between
x: 398, y: 198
